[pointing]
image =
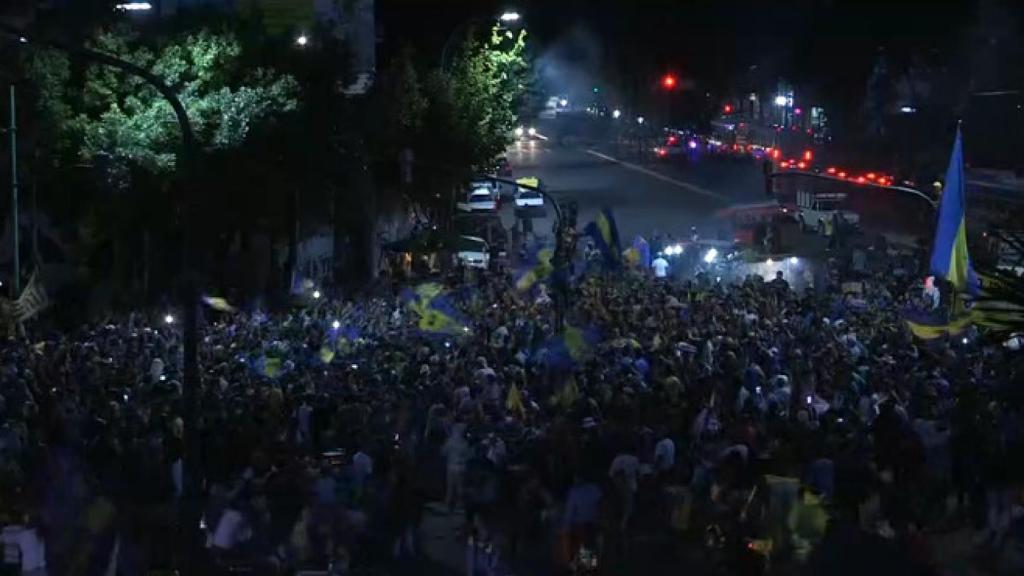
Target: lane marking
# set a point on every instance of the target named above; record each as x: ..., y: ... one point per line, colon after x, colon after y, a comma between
x: 647, y: 171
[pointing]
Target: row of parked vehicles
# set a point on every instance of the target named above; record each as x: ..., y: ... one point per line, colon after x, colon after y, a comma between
x: 487, y: 194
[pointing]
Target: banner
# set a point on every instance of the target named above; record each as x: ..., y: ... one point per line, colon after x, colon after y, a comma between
x: 32, y: 301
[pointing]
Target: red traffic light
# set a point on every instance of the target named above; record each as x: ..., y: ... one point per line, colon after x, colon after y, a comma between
x: 669, y: 81
x: 728, y: 109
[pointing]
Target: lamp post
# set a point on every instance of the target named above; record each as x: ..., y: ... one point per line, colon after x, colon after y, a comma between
x: 507, y: 17
x: 190, y: 293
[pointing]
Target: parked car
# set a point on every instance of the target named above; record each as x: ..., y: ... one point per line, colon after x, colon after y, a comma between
x: 473, y: 252
x: 526, y: 197
x: 479, y: 200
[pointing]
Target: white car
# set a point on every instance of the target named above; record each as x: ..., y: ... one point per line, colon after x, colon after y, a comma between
x: 473, y: 252
x: 814, y: 209
x: 526, y: 197
x: 479, y: 200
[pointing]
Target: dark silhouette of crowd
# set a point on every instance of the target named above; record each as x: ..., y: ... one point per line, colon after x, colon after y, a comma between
x: 737, y: 425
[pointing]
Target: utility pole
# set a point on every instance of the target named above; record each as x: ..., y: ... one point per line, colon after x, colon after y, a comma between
x: 13, y: 131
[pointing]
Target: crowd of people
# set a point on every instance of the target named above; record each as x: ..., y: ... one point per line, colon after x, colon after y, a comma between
x: 740, y: 423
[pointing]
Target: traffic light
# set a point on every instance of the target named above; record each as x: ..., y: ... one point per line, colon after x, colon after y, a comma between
x: 669, y: 81
x: 728, y: 109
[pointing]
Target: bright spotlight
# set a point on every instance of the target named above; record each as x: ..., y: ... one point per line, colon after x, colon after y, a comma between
x: 316, y: 294
x: 532, y: 131
x: 781, y: 100
x: 509, y: 16
x: 336, y: 324
x: 793, y: 259
x: 769, y: 261
x: 519, y: 132
x: 710, y: 256
x: 134, y: 6
x: 302, y: 40
x: 616, y: 113
x: 563, y: 102
x: 639, y: 119
x: 169, y: 319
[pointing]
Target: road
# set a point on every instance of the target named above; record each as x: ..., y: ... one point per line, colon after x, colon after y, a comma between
x: 667, y: 196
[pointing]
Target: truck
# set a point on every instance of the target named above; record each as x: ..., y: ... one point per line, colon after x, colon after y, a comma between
x: 814, y: 209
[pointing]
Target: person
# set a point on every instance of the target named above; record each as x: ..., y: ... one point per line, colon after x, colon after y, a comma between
x: 23, y: 546
x: 580, y: 519
x: 660, y: 266
x: 456, y: 454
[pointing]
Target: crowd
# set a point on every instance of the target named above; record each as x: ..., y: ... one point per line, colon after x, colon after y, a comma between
x: 739, y: 423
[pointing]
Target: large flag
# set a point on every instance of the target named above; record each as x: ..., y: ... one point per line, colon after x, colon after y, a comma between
x: 949, y: 252
x: 606, y: 236
x: 32, y: 301
x: 535, y: 268
x: 436, y: 309
x: 571, y: 347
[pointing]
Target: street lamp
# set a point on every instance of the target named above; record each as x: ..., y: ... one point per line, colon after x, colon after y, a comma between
x: 639, y: 119
x: 781, y: 100
x: 507, y: 17
x: 616, y: 113
x: 301, y: 40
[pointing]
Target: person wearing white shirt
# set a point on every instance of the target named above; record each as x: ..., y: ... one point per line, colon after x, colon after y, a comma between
x: 24, y: 543
x: 623, y: 472
x: 660, y: 266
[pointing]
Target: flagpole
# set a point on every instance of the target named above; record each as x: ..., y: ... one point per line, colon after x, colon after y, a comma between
x: 16, y: 260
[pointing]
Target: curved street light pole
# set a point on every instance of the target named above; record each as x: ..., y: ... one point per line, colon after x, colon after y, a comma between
x: 190, y: 293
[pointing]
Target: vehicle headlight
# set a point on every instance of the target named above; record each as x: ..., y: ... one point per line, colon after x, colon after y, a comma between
x: 519, y: 132
x: 532, y: 131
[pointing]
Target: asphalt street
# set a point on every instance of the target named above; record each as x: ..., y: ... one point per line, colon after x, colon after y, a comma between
x: 667, y: 196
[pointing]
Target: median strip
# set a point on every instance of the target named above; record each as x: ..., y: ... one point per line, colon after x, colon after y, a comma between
x: 662, y: 177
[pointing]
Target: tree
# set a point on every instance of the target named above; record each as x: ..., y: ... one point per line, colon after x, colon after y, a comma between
x: 126, y: 133
x: 104, y: 112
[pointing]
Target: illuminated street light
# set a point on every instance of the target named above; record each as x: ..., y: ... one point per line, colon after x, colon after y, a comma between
x: 510, y: 16
x: 302, y: 40
x: 316, y: 294
x: 134, y: 6
x: 908, y: 109
x: 616, y: 113
x: 781, y: 100
x: 169, y: 319
x: 336, y: 324
x: 639, y: 119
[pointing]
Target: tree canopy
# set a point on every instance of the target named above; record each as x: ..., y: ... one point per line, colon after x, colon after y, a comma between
x: 99, y: 112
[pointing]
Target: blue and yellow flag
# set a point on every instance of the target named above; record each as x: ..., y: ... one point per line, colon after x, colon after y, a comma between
x: 436, y: 309
x: 950, y: 259
x: 606, y: 237
x: 219, y: 304
x: 536, y: 268
x: 268, y: 366
x: 326, y: 354
x: 571, y: 347
x: 514, y: 401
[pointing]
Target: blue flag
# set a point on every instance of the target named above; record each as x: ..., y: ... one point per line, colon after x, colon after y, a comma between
x: 949, y: 253
x: 535, y: 268
x: 571, y: 347
x: 436, y: 309
x: 643, y: 250
x: 606, y: 237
